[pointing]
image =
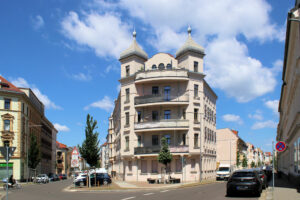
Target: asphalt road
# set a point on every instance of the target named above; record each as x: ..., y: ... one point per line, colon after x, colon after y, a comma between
x: 54, y: 191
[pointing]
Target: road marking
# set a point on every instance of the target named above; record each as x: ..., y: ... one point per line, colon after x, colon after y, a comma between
x: 128, y: 198
x: 148, y: 194
x: 164, y: 191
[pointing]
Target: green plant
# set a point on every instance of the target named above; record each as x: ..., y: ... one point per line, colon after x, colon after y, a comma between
x: 164, y: 156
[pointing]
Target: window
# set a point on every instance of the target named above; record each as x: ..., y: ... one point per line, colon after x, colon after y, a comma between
x: 154, y: 116
x: 127, y: 143
x: 130, y: 166
x: 183, y: 114
x: 168, y: 137
x: 167, y: 114
x: 196, y: 114
x: 7, y: 104
x: 195, y: 90
x: 195, y: 66
x: 169, y: 66
x: 183, y: 139
x: 139, y: 140
x: 144, y: 166
x: 6, y: 143
x: 127, y: 95
x: 23, y: 108
x: 167, y: 93
x: 196, y: 136
x: 154, y: 165
x: 154, y: 139
x: 7, y: 125
x: 127, y: 71
x: 193, y: 163
x: 155, y: 90
x: 154, y: 67
x: 127, y: 118
x: 178, y: 165
x: 139, y: 116
x: 161, y: 66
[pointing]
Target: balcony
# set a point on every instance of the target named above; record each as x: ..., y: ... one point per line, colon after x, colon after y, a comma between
x: 161, y: 75
x: 156, y: 149
x: 163, y: 124
x: 161, y: 99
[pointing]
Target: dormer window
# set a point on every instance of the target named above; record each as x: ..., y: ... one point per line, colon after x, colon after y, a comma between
x: 169, y: 66
x: 161, y: 66
x: 127, y: 70
x: 154, y: 67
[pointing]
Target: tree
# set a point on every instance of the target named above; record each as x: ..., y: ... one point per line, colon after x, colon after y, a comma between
x: 90, y: 149
x: 252, y: 164
x: 34, y: 153
x: 259, y: 163
x: 245, y: 161
x: 164, y: 156
x: 238, y: 161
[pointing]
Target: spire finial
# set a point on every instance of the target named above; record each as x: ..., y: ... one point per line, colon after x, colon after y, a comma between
x: 134, y: 33
x: 189, y: 30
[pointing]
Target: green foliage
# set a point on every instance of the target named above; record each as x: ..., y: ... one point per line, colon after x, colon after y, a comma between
x: 164, y: 156
x: 259, y: 163
x: 90, y: 149
x: 245, y: 161
x: 252, y: 164
x: 33, y: 153
x: 238, y: 162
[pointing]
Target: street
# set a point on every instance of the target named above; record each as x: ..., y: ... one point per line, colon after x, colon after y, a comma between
x: 54, y: 191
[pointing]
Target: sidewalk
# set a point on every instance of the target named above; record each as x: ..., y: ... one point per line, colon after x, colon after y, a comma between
x: 283, y: 191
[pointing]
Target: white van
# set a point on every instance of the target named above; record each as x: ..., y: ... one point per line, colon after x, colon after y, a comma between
x: 224, y: 172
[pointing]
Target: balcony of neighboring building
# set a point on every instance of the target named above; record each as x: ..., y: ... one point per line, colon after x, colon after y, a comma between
x: 161, y: 99
x: 161, y: 75
x: 162, y: 124
x: 156, y: 149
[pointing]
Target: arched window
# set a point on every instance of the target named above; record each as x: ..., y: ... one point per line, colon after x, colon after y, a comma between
x: 161, y: 66
x: 154, y: 67
x: 169, y: 66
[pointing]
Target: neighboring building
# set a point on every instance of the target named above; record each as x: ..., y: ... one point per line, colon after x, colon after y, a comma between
x: 288, y: 129
x: 22, y: 114
x: 63, y: 158
x: 104, y: 157
x: 163, y: 96
x: 250, y: 154
x: 268, y: 158
x: 228, y: 146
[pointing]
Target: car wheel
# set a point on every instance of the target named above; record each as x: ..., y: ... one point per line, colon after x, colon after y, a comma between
x: 105, y: 182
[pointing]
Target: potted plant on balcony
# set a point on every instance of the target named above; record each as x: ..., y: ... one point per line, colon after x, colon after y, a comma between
x: 164, y: 157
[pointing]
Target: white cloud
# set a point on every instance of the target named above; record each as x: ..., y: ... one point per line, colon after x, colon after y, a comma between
x: 265, y: 124
x: 114, y: 68
x: 61, y: 128
x: 82, y: 77
x: 277, y: 66
x: 106, y: 34
x: 105, y: 104
x: 232, y: 118
x: 37, y: 22
x: 273, y: 105
x: 21, y: 82
x: 257, y: 115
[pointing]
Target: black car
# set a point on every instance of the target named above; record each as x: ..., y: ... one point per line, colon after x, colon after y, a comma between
x: 263, y: 178
x: 64, y: 176
x: 101, y: 179
x: 246, y: 180
x: 53, y: 177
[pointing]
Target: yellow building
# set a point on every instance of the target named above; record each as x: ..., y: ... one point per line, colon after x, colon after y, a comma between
x: 22, y: 114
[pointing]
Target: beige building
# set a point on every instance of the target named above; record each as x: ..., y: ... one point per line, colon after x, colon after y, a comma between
x: 288, y: 129
x: 22, y: 114
x: 163, y: 96
x: 228, y: 144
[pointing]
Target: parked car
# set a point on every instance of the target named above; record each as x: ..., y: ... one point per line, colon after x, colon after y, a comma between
x: 263, y: 177
x: 42, y: 178
x: 101, y: 178
x: 53, y: 177
x: 224, y: 172
x: 64, y: 176
x: 60, y: 176
x: 246, y: 180
x: 80, y: 176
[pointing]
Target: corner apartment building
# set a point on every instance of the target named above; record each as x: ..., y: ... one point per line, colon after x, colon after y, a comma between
x: 228, y: 144
x: 288, y: 129
x: 163, y: 96
x: 22, y: 114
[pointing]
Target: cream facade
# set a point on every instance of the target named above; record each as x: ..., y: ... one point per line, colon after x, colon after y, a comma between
x: 163, y: 96
x: 288, y: 129
x: 22, y: 114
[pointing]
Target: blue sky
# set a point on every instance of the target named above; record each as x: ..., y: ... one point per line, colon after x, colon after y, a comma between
x: 67, y: 52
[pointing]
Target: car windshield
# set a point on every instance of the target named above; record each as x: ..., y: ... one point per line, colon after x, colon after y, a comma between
x: 222, y: 169
x: 243, y: 174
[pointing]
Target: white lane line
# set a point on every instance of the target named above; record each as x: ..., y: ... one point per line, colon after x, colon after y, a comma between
x: 148, y: 194
x: 165, y: 191
x: 128, y: 198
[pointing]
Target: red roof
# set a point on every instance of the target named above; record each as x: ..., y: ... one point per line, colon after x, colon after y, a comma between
x: 60, y: 145
x: 268, y: 153
x: 8, y: 85
x: 235, y: 132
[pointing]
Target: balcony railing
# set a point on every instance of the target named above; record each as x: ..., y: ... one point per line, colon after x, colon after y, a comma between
x: 166, y: 73
x: 161, y: 98
x: 163, y: 123
x: 156, y: 149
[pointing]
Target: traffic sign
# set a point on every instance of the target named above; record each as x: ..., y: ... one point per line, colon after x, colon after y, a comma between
x: 75, y: 158
x: 280, y: 146
x: 10, y: 152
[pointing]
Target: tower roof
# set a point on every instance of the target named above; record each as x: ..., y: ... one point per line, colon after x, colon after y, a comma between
x: 190, y: 45
x: 134, y: 49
